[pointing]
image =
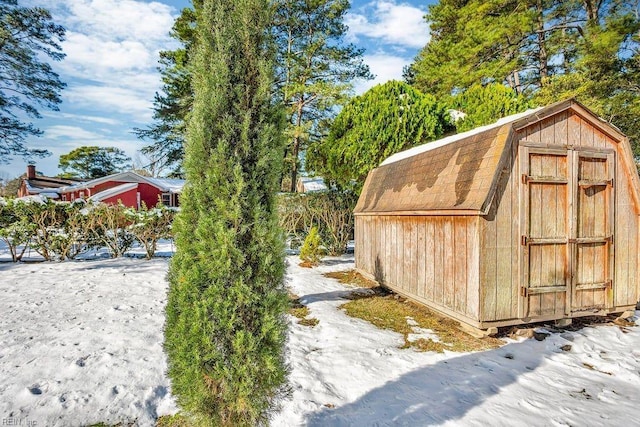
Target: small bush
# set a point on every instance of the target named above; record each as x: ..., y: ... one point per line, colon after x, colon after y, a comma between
x: 310, y: 253
x: 331, y: 211
x: 150, y: 225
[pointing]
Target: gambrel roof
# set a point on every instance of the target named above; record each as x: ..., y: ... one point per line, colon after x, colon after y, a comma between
x: 458, y: 174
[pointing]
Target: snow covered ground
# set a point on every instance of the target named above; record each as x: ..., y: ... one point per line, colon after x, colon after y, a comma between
x: 81, y: 342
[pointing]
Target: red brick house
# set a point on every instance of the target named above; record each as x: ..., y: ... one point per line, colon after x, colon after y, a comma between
x: 129, y: 188
x: 35, y: 184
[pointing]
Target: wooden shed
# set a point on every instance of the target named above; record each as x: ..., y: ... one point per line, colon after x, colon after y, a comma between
x: 533, y: 218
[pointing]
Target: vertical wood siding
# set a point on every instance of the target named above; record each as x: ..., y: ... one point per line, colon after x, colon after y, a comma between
x: 433, y: 258
x: 474, y: 265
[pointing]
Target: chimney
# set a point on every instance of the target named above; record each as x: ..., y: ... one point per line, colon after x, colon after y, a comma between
x: 31, y: 171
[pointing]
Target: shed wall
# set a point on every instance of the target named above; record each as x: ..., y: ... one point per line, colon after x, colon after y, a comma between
x: 499, y: 246
x: 433, y: 259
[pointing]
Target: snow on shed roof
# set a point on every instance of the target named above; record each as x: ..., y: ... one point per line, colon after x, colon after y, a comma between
x: 458, y: 173
x: 457, y: 137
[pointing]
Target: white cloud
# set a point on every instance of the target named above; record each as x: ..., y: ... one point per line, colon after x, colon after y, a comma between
x: 112, y: 53
x: 90, y: 52
x: 394, y: 23
x: 111, y: 99
x: 74, y: 132
x: 84, y: 118
x: 120, y: 19
x: 385, y: 67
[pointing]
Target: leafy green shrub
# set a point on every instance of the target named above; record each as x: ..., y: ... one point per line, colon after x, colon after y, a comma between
x: 108, y: 227
x: 150, y: 225
x: 16, y: 227
x: 331, y: 210
x: 310, y: 253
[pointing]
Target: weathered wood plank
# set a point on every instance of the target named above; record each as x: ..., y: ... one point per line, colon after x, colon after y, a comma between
x: 460, y: 264
x: 586, y: 134
x: 573, y: 129
x: 473, y: 269
x: 547, y: 131
x: 450, y: 249
x: 438, y: 294
x: 488, y: 262
x: 421, y: 259
x: 516, y: 232
x: 430, y: 260
x: 408, y: 247
x: 561, y: 128
x: 503, y: 255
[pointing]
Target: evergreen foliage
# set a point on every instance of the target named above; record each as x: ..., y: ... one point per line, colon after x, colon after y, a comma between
x: 315, y: 70
x: 384, y: 120
x: 310, y: 251
x: 483, y: 105
x: 170, y: 107
x: 546, y: 51
x: 225, y: 326
x: 90, y: 162
x: 27, y: 37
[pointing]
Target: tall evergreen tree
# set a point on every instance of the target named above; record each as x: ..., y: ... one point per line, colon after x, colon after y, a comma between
x: 225, y: 326
x: 171, y: 106
x: 315, y: 69
x: 28, y: 36
x: 384, y: 120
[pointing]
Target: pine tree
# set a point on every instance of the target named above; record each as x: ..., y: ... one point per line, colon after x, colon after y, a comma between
x: 27, y: 38
x: 172, y: 104
x: 225, y: 327
x: 315, y: 70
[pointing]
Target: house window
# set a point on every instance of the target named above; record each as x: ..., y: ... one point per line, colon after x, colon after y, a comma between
x: 166, y: 199
x: 81, y: 195
x: 64, y: 197
x: 177, y: 199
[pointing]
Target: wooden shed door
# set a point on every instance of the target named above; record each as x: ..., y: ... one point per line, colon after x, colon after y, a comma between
x: 567, y: 231
x: 546, y: 176
x: 592, y: 233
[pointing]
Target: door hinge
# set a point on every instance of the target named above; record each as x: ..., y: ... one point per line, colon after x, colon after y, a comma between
x: 524, y: 240
x: 610, y: 182
x: 524, y: 292
x: 608, y: 284
x: 525, y: 178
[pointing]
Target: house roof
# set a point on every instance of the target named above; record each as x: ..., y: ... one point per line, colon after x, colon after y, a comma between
x: 458, y: 173
x: 114, y: 191
x: 46, y: 183
x: 164, y: 184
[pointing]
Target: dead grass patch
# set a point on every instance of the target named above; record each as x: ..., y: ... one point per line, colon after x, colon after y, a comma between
x: 388, y: 311
x: 351, y: 277
x: 301, y: 311
x: 307, y: 264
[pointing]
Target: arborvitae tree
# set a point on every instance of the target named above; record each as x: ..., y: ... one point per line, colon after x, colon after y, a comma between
x: 384, y: 120
x: 225, y: 327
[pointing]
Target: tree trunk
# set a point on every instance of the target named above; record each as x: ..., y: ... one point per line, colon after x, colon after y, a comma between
x: 295, y: 147
x: 543, y: 66
x: 294, y: 165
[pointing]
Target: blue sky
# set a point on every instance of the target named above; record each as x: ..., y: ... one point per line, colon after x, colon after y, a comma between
x: 112, y: 50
